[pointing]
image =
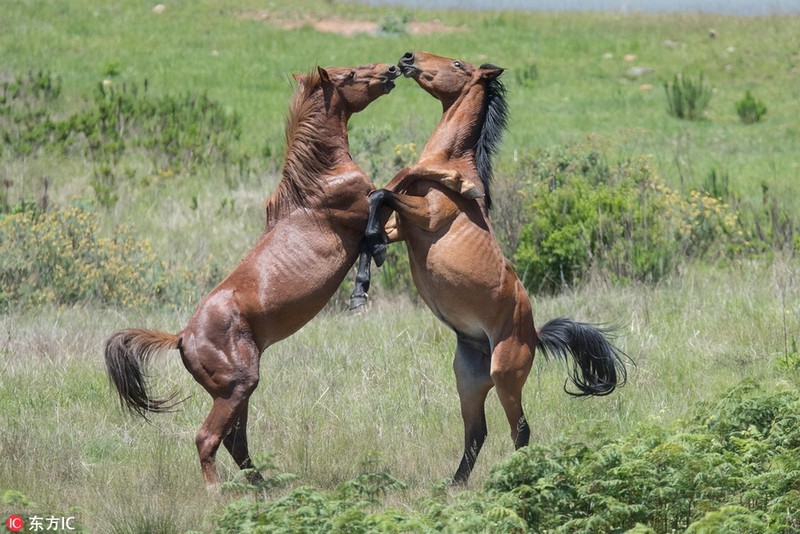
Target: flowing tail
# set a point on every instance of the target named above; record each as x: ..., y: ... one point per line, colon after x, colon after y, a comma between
x: 127, y: 352
x: 598, y: 366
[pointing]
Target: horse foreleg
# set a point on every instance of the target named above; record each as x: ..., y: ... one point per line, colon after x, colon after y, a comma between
x: 427, y: 213
x: 449, y: 178
x: 375, y: 235
x: 389, y: 233
x: 373, y: 246
x: 360, y: 296
x: 473, y: 381
x: 430, y: 213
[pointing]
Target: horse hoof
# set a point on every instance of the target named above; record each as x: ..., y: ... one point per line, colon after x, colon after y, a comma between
x: 472, y: 194
x: 358, y: 301
x: 470, y: 191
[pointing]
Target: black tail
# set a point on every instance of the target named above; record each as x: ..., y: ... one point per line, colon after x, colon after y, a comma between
x: 597, y: 364
x: 126, y: 352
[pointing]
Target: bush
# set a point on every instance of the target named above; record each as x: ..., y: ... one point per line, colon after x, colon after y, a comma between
x: 687, y: 98
x: 61, y: 258
x: 176, y: 133
x: 749, y: 109
x: 394, y: 24
x: 735, y: 467
x: 624, y: 222
x: 26, y: 115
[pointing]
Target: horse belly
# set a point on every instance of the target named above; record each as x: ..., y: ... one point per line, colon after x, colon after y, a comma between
x: 460, y: 276
x: 286, y: 281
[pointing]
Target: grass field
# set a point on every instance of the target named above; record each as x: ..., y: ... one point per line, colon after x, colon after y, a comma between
x: 352, y: 384
x: 349, y: 385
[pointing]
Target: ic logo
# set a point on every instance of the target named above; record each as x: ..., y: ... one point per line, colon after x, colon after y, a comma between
x: 14, y: 523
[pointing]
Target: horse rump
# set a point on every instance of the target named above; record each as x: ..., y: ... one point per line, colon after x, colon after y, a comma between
x: 597, y: 365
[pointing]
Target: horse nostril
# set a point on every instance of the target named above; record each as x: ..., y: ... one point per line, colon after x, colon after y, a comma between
x: 392, y: 69
x: 408, y: 56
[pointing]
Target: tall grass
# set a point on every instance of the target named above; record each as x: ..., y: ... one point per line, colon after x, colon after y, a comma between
x: 352, y: 385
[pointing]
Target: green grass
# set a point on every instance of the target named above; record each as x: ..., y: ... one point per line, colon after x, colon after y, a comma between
x: 348, y: 385
x: 246, y: 63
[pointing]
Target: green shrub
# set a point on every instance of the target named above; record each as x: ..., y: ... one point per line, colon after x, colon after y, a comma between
x: 27, y: 112
x: 176, y: 133
x: 737, y: 465
x: 394, y: 24
x: 749, y: 109
x: 734, y: 467
x: 527, y: 75
x: 61, y: 258
x: 584, y: 215
x: 687, y: 98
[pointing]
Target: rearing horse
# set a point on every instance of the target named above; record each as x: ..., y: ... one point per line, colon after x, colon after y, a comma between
x: 315, y: 223
x: 457, y: 264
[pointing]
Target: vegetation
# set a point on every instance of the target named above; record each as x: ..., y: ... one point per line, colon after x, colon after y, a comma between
x: 60, y: 257
x: 138, y: 147
x: 687, y: 98
x: 749, y: 109
x: 704, y: 475
x: 584, y: 217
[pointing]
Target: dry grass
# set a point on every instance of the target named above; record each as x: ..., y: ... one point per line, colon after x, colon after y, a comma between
x: 348, y: 385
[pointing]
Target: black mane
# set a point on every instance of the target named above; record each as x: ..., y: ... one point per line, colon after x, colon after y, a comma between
x: 494, y: 125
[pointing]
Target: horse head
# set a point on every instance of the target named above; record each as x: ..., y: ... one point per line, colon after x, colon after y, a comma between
x: 357, y: 87
x: 445, y: 78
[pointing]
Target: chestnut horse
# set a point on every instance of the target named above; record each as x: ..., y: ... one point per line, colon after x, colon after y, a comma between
x: 315, y: 222
x: 457, y: 264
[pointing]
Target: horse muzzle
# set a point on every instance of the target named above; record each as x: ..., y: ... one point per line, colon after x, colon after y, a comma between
x: 407, y: 66
x: 387, y: 80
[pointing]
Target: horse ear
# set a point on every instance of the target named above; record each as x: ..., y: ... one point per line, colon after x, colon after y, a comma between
x: 323, y: 75
x: 490, y: 71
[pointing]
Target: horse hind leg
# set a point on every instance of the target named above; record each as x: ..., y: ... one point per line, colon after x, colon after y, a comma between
x: 231, y: 389
x: 235, y: 441
x: 471, y: 366
x: 511, y: 364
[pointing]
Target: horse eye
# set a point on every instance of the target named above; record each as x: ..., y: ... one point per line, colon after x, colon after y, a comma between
x: 352, y: 75
x: 457, y: 64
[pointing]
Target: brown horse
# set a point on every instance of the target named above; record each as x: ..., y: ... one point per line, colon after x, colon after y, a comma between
x: 315, y: 222
x: 457, y: 264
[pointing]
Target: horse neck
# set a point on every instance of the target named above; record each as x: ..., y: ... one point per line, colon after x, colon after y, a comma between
x: 327, y: 130
x: 317, y: 147
x: 457, y: 133
x: 319, y: 142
